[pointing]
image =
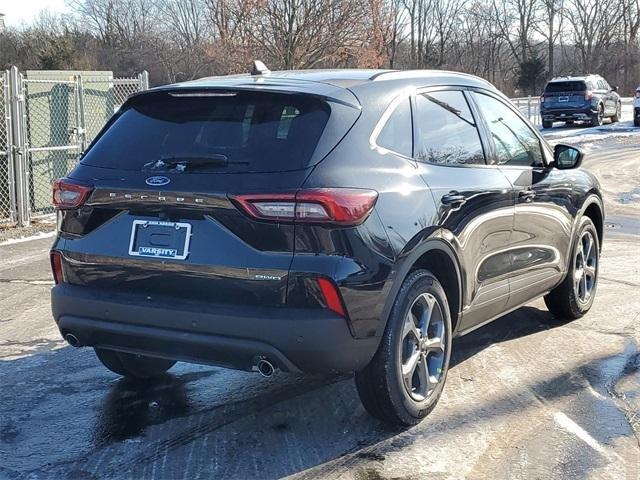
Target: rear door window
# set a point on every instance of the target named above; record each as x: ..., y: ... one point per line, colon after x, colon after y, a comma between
x: 213, y: 132
x: 446, y: 132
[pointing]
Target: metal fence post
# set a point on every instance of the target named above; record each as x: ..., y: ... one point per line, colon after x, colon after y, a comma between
x: 8, y: 146
x: 80, y: 119
x: 143, y: 78
x: 18, y: 151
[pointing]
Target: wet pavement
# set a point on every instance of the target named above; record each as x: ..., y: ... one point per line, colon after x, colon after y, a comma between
x: 526, y: 397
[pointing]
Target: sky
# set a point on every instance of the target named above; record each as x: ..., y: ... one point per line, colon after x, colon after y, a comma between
x: 17, y: 11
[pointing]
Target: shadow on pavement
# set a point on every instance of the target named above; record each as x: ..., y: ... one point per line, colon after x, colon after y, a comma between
x: 219, y: 423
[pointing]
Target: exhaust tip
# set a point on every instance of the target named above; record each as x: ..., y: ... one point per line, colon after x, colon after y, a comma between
x: 265, y: 367
x: 72, y: 340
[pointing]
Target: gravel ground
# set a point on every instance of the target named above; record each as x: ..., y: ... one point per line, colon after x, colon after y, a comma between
x: 40, y: 227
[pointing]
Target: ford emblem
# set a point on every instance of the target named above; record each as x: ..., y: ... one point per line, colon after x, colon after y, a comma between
x: 157, y: 181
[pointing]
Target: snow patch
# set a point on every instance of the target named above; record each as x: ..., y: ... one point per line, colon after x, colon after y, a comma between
x: 37, y: 236
x: 630, y: 197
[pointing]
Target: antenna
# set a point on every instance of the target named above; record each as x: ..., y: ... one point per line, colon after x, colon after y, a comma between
x: 259, y: 68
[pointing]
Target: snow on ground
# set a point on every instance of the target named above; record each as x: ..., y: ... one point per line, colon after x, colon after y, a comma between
x: 585, y: 136
x: 612, y: 154
x: 36, y: 236
x: 579, y: 133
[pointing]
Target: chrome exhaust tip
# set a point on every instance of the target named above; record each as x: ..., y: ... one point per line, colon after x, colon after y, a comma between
x: 265, y: 368
x: 72, y: 340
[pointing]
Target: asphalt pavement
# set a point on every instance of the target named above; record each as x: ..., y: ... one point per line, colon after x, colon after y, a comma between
x: 526, y: 398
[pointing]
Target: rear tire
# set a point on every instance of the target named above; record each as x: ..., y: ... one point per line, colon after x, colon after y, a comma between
x: 575, y: 295
x: 416, y: 341
x: 547, y: 124
x: 130, y: 365
x: 636, y: 122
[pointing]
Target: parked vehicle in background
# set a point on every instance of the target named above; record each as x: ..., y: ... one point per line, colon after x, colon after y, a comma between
x: 319, y: 221
x: 589, y: 99
x: 636, y: 108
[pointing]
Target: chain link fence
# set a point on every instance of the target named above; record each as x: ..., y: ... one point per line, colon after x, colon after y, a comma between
x: 102, y: 98
x: 52, y: 141
x: 50, y: 118
x: 7, y: 201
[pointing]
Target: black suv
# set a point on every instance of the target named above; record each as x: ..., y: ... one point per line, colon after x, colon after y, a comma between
x: 584, y: 99
x: 319, y: 221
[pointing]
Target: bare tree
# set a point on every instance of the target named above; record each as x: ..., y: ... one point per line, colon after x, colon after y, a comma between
x: 516, y: 21
x: 593, y: 26
x: 507, y: 41
x: 307, y: 33
x: 550, y: 28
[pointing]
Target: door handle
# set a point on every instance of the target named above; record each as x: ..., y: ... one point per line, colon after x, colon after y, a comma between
x: 527, y: 195
x: 453, y: 199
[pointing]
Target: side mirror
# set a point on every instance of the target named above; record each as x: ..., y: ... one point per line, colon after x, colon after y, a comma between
x: 615, y: 88
x: 566, y: 157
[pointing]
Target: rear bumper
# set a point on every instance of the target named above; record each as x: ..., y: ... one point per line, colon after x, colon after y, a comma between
x: 577, y: 114
x: 307, y: 340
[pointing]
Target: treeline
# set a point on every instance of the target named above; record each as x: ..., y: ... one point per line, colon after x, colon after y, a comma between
x: 516, y: 44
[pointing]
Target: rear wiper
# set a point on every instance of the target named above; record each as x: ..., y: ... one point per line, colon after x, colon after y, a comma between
x: 192, y: 162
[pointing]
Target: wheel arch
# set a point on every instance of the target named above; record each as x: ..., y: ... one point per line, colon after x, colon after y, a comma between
x: 439, y: 258
x: 593, y: 209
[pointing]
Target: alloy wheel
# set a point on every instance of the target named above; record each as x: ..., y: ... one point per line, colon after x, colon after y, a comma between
x: 422, y: 354
x: 585, y: 268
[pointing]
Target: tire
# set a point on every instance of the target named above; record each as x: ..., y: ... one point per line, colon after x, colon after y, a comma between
x: 381, y: 386
x: 547, y: 124
x: 618, y: 114
x: 567, y: 301
x: 596, y: 119
x: 130, y: 365
x: 636, y: 122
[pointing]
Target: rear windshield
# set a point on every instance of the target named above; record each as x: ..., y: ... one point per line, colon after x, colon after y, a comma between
x: 565, y: 87
x: 212, y: 132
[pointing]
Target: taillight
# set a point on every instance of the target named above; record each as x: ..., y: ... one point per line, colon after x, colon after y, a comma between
x: 541, y: 98
x: 69, y: 195
x: 56, y: 267
x: 588, y: 95
x: 337, y: 206
x: 331, y: 295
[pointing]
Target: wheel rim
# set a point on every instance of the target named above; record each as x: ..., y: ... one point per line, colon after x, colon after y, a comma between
x: 600, y: 116
x: 422, y: 355
x: 585, y: 268
x: 619, y: 111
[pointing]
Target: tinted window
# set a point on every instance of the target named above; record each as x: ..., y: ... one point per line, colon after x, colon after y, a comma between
x: 397, y: 134
x: 554, y: 87
x: 234, y: 131
x: 446, y: 131
x: 515, y: 143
